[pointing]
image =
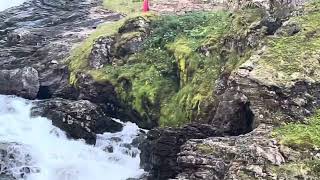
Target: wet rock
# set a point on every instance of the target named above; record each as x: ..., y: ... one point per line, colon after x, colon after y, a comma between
x: 159, y: 151
x: 104, y: 94
x: 15, y: 161
x: 233, y: 114
x: 6, y: 177
x: 79, y: 119
x: 21, y: 82
x: 94, y: 91
x: 138, y: 140
x: 41, y: 33
x: 108, y: 149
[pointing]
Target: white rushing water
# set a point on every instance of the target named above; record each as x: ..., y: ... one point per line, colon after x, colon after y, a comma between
x: 50, y: 155
x: 5, y: 4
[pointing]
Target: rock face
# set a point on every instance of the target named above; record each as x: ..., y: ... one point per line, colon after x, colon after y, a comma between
x: 40, y: 34
x: 276, y: 84
x: 244, y: 157
x: 79, y: 119
x: 22, y: 82
x: 159, y: 151
x: 109, y: 50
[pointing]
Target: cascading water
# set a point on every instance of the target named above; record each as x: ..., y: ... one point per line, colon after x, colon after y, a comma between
x: 40, y: 151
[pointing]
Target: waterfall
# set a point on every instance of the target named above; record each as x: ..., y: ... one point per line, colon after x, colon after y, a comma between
x: 43, y: 152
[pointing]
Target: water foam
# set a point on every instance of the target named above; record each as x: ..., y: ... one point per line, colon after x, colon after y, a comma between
x: 52, y: 156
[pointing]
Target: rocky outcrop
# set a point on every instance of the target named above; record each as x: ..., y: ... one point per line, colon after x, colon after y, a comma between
x: 79, y: 119
x: 269, y: 99
x: 127, y: 41
x: 22, y: 82
x: 159, y: 151
x: 244, y: 157
x: 277, y: 84
x: 40, y: 34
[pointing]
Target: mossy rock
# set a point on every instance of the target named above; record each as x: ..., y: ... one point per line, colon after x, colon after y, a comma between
x: 289, y: 59
x: 169, y: 80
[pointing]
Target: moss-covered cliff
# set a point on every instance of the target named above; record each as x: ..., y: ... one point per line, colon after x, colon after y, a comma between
x: 167, y: 68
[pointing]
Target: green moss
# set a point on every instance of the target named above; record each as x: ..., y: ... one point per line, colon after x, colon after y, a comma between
x: 78, y: 59
x: 170, y: 81
x: 124, y: 6
x: 308, y: 169
x: 143, y: 83
x: 288, y: 59
x: 205, y: 148
x: 301, y: 136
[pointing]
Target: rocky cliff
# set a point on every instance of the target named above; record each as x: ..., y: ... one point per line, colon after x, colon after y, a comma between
x: 228, y: 94
x: 276, y: 85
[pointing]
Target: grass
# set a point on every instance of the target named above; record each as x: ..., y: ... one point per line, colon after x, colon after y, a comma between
x: 127, y: 7
x: 307, y: 168
x: 170, y: 81
x: 301, y: 136
x: 292, y: 58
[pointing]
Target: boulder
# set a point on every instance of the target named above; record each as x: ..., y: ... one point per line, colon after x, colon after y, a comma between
x: 79, y: 119
x: 159, y: 151
x: 104, y: 94
x: 21, y: 82
x: 218, y: 158
x: 128, y: 40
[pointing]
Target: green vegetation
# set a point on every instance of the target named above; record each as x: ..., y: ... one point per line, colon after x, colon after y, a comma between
x: 205, y: 148
x: 172, y: 78
x: 301, y: 136
x: 128, y: 7
x: 296, y: 57
x: 79, y: 55
x: 307, y: 168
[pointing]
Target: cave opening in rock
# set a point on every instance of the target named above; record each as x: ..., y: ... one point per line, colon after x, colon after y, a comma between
x: 249, y: 117
x: 245, y: 120
x: 44, y: 93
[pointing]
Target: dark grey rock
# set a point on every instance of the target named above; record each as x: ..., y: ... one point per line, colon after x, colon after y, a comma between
x: 79, y: 119
x: 159, y: 151
x: 41, y: 33
x: 21, y: 82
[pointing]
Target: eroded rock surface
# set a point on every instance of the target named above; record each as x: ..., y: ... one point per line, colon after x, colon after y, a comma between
x: 23, y: 82
x: 159, y: 151
x: 79, y: 119
x: 40, y: 34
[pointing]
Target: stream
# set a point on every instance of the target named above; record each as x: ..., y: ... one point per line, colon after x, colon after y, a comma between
x: 40, y: 151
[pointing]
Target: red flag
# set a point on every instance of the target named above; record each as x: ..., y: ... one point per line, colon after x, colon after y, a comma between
x: 145, y: 6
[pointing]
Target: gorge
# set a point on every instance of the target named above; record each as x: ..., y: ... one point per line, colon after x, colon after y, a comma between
x: 193, y: 90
